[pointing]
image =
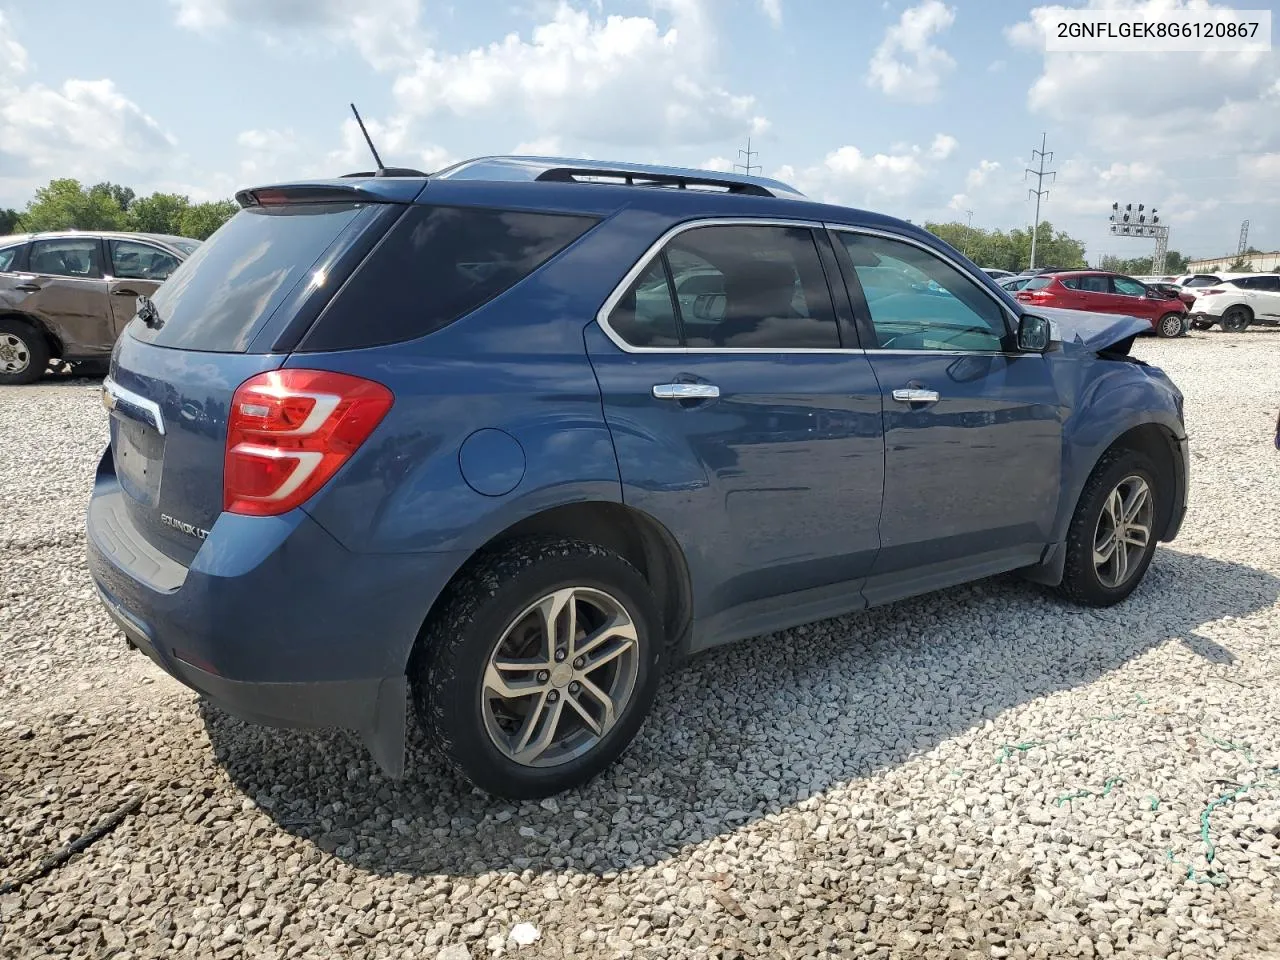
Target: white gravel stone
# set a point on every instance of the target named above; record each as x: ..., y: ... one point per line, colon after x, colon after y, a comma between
x: 982, y: 772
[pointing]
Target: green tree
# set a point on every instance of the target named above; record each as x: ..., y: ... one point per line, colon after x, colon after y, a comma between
x: 1240, y: 265
x: 1012, y: 250
x: 158, y: 213
x: 66, y: 205
x: 10, y: 221
x: 123, y: 196
x: 202, y: 219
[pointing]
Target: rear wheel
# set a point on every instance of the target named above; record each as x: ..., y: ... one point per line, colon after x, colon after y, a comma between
x: 1237, y: 319
x: 1113, y: 534
x: 541, y: 666
x: 1172, y: 325
x: 1201, y: 324
x: 24, y: 354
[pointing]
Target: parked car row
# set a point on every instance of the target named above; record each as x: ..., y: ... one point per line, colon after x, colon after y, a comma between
x: 68, y: 295
x: 545, y: 426
x: 1102, y: 292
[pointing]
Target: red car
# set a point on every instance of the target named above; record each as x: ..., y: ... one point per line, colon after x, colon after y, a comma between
x: 1103, y: 292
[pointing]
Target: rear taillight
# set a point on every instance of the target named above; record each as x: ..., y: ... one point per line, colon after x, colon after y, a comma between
x: 289, y: 431
x: 1210, y: 293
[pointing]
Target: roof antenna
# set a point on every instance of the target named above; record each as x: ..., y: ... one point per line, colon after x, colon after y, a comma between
x: 382, y: 171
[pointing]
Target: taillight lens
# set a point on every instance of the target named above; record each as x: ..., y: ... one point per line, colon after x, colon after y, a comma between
x: 1210, y: 293
x: 289, y: 431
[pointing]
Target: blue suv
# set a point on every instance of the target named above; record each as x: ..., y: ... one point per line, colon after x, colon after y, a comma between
x: 509, y: 439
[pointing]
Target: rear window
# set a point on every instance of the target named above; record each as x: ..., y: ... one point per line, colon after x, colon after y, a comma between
x: 435, y: 265
x: 1039, y: 283
x: 222, y: 295
x: 1201, y: 282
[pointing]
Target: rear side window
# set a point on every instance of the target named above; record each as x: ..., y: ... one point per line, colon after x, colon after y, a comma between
x: 435, y: 265
x: 220, y: 297
x: 734, y: 287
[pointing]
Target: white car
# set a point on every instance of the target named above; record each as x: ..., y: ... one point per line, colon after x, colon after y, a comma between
x: 1237, y: 303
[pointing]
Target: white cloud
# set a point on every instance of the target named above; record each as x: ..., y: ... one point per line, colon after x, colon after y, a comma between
x: 850, y: 175
x: 620, y: 79
x: 908, y: 65
x: 81, y: 128
x: 385, y: 34
x: 943, y: 146
x: 719, y: 164
x: 979, y: 175
x: 773, y: 10
x: 539, y: 147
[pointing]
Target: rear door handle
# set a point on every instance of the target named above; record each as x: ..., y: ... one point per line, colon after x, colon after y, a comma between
x: 28, y: 287
x: 686, y: 391
x: 913, y: 395
x: 124, y: 293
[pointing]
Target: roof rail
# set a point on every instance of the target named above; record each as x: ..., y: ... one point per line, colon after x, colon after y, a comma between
x: 631, y: 178
x: 564, y: 170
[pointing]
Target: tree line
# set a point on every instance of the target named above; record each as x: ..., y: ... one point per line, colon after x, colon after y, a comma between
x: 67, y: 204
x: 1011, y: 250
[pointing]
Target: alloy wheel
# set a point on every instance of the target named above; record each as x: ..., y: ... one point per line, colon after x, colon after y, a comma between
x: 1123, y: 532
x: 1171, y: 325
x: 560, y: 677
x: 15, y: 355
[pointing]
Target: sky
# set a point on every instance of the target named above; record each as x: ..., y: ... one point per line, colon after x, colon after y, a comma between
x: 923, y: 109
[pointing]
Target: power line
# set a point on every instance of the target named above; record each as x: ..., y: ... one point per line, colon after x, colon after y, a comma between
x: 748, y: 153
x: 1040, y: 192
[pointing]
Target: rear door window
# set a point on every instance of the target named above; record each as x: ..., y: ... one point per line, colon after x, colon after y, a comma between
x: 77, y: 257
x: 1093, y: 283
x: 223, y: 294
x: 131, y: 260
x: 438, y: 264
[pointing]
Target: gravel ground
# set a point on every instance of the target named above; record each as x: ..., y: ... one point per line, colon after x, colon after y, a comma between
x: 983, y: 772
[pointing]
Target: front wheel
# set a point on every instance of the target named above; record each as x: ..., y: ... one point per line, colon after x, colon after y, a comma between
x: 1113, y: 534
x: 541, y: 666
x: 1201, y: 324
x: 1237, y: 320
x: 1172, y: 325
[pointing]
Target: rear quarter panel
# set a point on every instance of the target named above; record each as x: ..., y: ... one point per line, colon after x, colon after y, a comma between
x: 517, y: 364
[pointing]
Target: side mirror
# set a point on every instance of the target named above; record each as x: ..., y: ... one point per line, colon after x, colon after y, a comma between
x: 1034, y: 334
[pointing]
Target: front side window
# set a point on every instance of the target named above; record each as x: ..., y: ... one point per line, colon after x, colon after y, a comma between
x: 918, y: 301
x: 140, y: 261
x: 1129, y: 288
x: 78, y: 257
x: 7, y: 256
x: 734, y: 287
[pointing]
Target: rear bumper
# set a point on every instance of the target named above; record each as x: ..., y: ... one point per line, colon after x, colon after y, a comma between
x: 274, y: 621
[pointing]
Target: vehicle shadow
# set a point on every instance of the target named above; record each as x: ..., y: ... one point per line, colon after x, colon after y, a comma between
x: 716, y: 752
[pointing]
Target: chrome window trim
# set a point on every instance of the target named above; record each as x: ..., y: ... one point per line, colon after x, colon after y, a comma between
x: 654, y: 249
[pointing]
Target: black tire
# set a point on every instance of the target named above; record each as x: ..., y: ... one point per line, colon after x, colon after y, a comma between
x: 454, y: 649
x: 1201, y: 324
x: 21, y: 343
x: 1172, y: 325
x: 1237, y: 319
x: 1081, y: 581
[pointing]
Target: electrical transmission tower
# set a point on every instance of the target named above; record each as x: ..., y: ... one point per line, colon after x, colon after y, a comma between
x: 748, y: 153
x: 1040, y: 192
x: 1244, y: 239
x: 968, y: 231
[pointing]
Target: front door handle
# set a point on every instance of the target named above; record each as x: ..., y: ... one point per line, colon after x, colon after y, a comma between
x: 126, y: 292
x: 913, y: 395
x: 685, y: 391
x: 28, y: 287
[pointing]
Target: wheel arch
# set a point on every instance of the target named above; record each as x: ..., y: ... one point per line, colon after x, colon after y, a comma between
x: 633, y: 534
x: 51, y: 339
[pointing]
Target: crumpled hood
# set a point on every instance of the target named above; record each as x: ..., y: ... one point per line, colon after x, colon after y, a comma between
x: 1091, y: 331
